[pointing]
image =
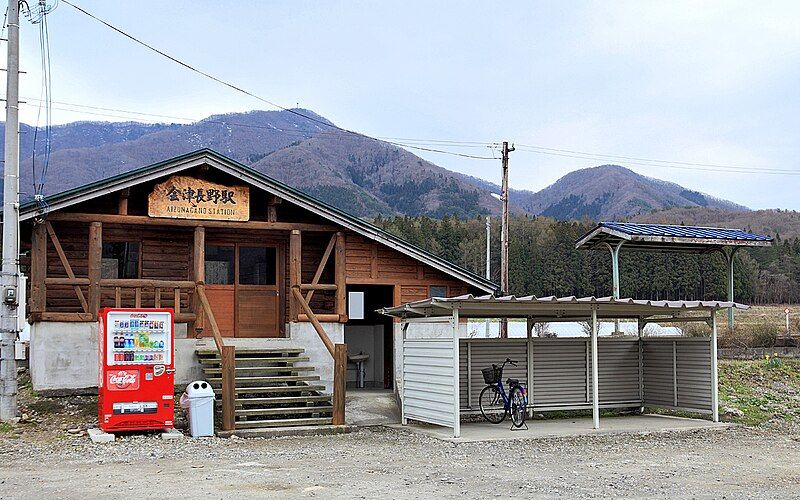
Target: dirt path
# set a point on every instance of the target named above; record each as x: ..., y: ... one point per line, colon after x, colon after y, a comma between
x: 383, y: 463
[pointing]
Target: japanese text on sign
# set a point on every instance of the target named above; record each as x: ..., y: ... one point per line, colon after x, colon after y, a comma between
x: 190, y: 198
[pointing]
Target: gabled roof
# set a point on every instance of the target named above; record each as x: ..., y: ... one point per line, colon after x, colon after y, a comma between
x: 554, y: 308
x: 253, y: 177
x: 666, y: 237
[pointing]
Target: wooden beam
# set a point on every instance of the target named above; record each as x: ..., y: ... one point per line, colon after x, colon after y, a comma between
x: 340, y: 276
x: 228, y: 366
x: 373, y: 261
x: 318, y: 286
x: 272, y: 208
x: 176, y: 300
x: 198, y: 272
x: 314, y: 321
x: 339, y: 386
x: 157, y: 298
x: 123, y: 201
x: 38, y: 269
x: 117, y: 296
x: 146, y: 283
x: 137, y: 301
x: 64, y: 262
x: 95, y: 266
x: 327, y: 318
x: 67, y: 281
x: 295, y: 270
x: 326, y: 255
x: 66, y: 317
x: 163, y: 221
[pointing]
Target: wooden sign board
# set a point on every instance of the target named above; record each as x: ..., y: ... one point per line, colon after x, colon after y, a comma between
x: 183, y: 197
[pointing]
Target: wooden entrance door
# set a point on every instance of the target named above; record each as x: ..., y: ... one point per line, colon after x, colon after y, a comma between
x: 242, y: 287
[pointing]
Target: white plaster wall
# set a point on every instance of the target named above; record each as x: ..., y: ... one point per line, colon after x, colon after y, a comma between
x: 303, y: 335
x: 63, y: 356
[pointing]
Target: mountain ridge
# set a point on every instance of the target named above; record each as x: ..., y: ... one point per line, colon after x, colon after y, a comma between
x: 364, y: 176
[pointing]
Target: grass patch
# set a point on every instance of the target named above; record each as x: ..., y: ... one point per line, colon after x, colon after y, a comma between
x: 5, y: 428
x: 760, y: 391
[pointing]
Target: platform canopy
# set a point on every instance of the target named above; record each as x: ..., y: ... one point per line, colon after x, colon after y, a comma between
x: 555, y: 308
x: 670, y: 238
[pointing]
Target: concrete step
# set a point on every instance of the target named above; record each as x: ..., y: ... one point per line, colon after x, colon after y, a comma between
x: 284, y: 411
x: 284, y: 422
x: 303, y: 430
x: 275, y: 389
x: 252, y: 370
x: 278, y: 379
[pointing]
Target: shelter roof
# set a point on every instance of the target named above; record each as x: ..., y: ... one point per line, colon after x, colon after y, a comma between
x: 670, y: 238
x: 554, y: 308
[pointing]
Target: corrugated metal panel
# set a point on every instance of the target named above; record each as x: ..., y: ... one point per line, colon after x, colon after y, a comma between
x: 694, y: 375
x: 677, y: 373
x: 428, y: 380
x: 485, y: 353
x: 559, y: 372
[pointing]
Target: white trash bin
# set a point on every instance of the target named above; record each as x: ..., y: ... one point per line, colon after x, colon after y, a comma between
x: 199, y: 401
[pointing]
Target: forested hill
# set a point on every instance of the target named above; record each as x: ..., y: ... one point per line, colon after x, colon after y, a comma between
x: 364, y: 176
x: 544, y: 261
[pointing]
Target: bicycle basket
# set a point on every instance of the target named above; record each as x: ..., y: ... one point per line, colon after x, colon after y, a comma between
x: 492, y: 375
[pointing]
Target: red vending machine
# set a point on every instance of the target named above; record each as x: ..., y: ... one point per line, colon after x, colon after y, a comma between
x: 137, y: 370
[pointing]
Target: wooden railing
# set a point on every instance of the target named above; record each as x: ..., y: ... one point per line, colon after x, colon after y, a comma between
x: 227, y: 355
x: 338, y: 353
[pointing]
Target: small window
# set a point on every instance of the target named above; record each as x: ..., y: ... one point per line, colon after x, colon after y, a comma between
x: 257, y: 266
x: 120, y: 260
x: 438, y: 291
x: 219, y: 265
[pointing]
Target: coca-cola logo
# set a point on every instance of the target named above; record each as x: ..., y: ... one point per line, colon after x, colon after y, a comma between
x: 123, y: 380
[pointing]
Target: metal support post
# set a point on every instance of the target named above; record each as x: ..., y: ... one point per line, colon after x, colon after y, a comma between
x: 615, y: 275
x: 529, y: 378
x: 456, y: 396
x: 714, y: 374
x: 640, y: 328
x: 595, y: 376
x: 729, y: 254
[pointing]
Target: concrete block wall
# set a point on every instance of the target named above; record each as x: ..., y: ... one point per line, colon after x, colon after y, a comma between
x: 303, y: 335
x: 63, y: 356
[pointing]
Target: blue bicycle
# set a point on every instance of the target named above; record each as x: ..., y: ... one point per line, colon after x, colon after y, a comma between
x: 495, y: 404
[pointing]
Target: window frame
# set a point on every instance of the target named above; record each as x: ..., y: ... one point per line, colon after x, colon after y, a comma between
x: 446, y: 291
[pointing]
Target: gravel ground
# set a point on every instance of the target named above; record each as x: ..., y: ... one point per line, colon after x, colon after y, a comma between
x: 378, y: 462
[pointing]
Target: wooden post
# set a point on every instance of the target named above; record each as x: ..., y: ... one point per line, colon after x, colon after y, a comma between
x: 123, y: 201
x: 228, y: 365
x: 339, y: 377
x: 340, y: 278
x: 295, y: 270
x: 38, y: 268
x: 95, y: 263
x: 198, y: 273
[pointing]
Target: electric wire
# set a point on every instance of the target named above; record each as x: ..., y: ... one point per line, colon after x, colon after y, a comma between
x: 251, y: 94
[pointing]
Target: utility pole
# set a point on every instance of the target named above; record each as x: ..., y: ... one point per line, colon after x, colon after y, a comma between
x: 488, y: 256
x: 9, y: 276
x: 504, y: 236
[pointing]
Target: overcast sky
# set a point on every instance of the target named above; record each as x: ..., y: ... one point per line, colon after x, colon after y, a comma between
x: 693, y: 82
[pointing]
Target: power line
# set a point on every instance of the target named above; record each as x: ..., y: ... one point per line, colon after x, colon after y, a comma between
x: 247, y: 92
x: 731, y: 169
x: 634, y: 158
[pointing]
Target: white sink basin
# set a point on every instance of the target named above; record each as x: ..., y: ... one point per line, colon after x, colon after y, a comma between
x: 355, y: 358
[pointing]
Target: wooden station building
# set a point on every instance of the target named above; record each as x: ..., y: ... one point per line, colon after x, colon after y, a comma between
x: 244, y: 260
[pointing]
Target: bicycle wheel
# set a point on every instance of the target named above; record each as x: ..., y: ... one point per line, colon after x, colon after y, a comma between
x: 518, y: 410
x: 492, y: 405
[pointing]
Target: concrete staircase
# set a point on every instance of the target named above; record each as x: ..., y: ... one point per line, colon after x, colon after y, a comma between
x: 271, y: 389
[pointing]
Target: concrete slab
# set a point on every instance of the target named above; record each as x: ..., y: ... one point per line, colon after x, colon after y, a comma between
x: 367, y: 407
x: 98, y: 436
x: 537, y: 429
x: 172, y: 434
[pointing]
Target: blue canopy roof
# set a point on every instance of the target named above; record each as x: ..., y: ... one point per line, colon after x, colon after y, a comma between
x: 669, y: 237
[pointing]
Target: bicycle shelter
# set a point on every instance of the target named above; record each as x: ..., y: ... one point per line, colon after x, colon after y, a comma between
x: 441, y: 367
